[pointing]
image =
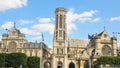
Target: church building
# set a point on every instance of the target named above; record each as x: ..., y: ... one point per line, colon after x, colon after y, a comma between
x: 66, y: 52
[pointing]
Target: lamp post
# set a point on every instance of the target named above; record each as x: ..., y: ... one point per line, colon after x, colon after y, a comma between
x: 4, y: 61
x: 5, y: 57
x: 115, y: 34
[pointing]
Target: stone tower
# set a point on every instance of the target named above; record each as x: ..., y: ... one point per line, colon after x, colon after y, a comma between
x: 60, y: 39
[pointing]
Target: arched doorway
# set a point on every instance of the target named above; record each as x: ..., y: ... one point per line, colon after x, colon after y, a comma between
x: 86, y: 64
x: 47, y: 65
x: 59, y: 65
x: 71, y: 65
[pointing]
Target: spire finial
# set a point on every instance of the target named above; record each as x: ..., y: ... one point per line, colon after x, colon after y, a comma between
x: 104, y: 28
x: 14, y: 24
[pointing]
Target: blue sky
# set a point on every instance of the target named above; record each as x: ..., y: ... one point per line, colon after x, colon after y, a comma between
x: 84, y: 17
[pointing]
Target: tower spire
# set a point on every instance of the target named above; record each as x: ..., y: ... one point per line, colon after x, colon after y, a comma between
x: 104, y: 28
x: 14, y: 24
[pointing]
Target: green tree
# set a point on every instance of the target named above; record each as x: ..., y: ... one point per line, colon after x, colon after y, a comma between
x: 33, y: 62
x: 16, y: 59
x: 3, y: 59
x: 111, y: 60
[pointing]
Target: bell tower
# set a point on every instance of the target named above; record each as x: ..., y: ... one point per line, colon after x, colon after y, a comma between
x: 60, y: 26
x: 60, y: 39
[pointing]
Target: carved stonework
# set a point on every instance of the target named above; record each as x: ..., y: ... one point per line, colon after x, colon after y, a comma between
x: 106, y: 50
x: 12, y: 47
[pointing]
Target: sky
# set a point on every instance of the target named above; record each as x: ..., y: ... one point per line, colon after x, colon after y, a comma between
x: 36, y: 17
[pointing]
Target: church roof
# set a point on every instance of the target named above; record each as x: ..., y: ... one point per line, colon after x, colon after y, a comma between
x: 103, y: 33
x: 34, y: 45
x: 78, y: 43
x: 100, y: 33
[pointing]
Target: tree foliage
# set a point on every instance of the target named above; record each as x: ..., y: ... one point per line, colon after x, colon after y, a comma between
x: 13, y: 60
x: 33, y: 62
x: 16, y: 59
x: 2, y: 59
x: 111, y: 60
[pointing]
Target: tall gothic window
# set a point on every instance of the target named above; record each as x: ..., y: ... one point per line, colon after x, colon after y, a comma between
x: 64, y: 35
x: 56, y: 35
x: 56, y: 21
x: 30, y: 52
x: 60, y: 23
x: 60, y: 33
x: 57, y: 51
x: 60, y: 51
x: 64, y: 21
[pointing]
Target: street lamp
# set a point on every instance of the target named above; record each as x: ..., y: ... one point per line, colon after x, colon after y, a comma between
x: 115, y: 34
x: 4, y: 56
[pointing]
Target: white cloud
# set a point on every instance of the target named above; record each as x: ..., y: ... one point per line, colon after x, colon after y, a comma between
x: 88, y: 13
x: 95, y: 20
x: 115, y: 19
x: 47, y: 27
x: 71, y: 27
x: 29, y: 31
x: 44, y: 25
x: 25, y: 21
x: 7, y: 25
x: 44, y: 20
x: 12, y: 4
x: 86, y: 16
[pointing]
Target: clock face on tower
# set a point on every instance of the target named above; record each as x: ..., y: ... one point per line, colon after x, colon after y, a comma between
x: 106, y: 50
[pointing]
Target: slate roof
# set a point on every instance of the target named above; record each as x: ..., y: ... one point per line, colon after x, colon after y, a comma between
x: 78, y: 43
x: 33, y: 45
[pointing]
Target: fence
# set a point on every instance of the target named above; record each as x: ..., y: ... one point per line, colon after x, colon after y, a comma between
x: 109, y: 66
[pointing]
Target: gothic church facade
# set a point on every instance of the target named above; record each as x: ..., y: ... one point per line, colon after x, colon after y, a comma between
x: 66, y: 52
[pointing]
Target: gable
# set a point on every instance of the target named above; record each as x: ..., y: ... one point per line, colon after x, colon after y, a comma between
x: 104, y: 36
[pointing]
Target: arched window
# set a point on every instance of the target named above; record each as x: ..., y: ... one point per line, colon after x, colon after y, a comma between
x: 60, y: 51
x: 93, y: 52
x: 71, y: 65
x: 12, y: 46
x: 31, y: 52
x: 106, y: 50
x: 47, y: 65
x: 59, y: 64
x: 60, y: 33
x: 60, y: 23
x: 56, y: 21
